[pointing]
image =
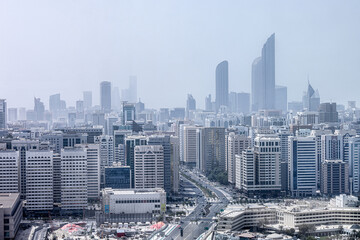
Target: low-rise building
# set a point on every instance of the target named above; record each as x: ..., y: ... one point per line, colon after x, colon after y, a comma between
x: 242, y: 217
x: 133, y: 201
x: 10, y: 214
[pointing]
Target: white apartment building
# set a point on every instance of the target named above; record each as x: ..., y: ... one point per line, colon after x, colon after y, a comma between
x: 245, y: 171
x: 9, y: 171
x: 235, y: 145
x: 133, y: 201
x: 93, y: 171
x: 190, y: 145
x: 149, y: 166
x: 259, y: 169
x: 39, y: 180
x: 74, y: 189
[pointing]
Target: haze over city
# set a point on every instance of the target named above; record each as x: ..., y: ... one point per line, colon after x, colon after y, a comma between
x: 179, y: 120
x: 173, y: 47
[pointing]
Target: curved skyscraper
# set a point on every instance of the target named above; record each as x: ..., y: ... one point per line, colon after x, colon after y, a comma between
x: 263, y: 77
x: 222, y: 85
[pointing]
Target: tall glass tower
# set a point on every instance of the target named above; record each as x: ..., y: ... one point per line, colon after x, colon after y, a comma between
x: 105, y: 96
x: 222, y: 85
x: 263, y: 77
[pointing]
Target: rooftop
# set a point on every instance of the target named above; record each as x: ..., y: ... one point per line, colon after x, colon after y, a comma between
x: 8, y: 200
x: 132, y: 191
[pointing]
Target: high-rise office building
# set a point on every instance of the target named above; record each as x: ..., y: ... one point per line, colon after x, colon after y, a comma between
x: 222, y: 85
x: 328, y: 113
x: 302, y: 166
x: 39, y: 180
x: 9, y: 171
x: 128, y: 113
x: 118, y: 177
x: 106, y: 154
x: 189, y: 143
x: 74, y: 189
x: 331, y: 147
x: 105, y: 96
x: 311, y: 99
x: 39, y: 109
x: 23, y: 146
x: 12, y: 115
x: 334, y: 177
x: 3, y: 113
x: 130, y: 143
x: 139, y: 106
x: 257, y: 86
x: 80, y: 109
x: 22, y: 114
x: 93, y: 170
x: 164, y: 115
x: 284, y: 148
x: 177, y: 113
x: 354, y: 164
x: 190, y: 105
x: 174, y: 163
x: 208, y: 103
x: 149, y: 166
x: 239, y: 102
x: 57, y: 178
x: 211, y: 149
x: 263, y: 77
x: 87, y: 98
x: 164, y: 141
x: 55, y: 105
x: 281, y: 98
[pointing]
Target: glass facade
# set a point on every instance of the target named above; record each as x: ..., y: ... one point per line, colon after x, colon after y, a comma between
x: 118, y: 177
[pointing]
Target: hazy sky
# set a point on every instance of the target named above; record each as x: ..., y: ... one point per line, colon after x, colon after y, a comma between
x: 173, y: 47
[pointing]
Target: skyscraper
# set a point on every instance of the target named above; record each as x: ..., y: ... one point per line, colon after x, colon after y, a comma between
x: 2, y: 113
x: 208, y: 103
x: 105, y: 96
x: 149, y: 166
x: 311, y: 99
x: 12, y: 115
x: 190, y: 105
x: 281, y: 98
x: 263, y: 77
x: 55, y: 105
x: 128, y: 113
x: 302, y: 166
x: 39, y: 109
x: 39, y: 180
x: 87, y: 97
x: 222, y: 85
x: 268, y: 71
x: 328, y: 113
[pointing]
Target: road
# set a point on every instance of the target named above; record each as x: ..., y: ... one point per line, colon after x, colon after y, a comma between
x: 195, y: 224
x: 40, y: 234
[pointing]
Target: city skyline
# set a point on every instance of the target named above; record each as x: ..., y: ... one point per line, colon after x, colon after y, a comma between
x: 60, y: 65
